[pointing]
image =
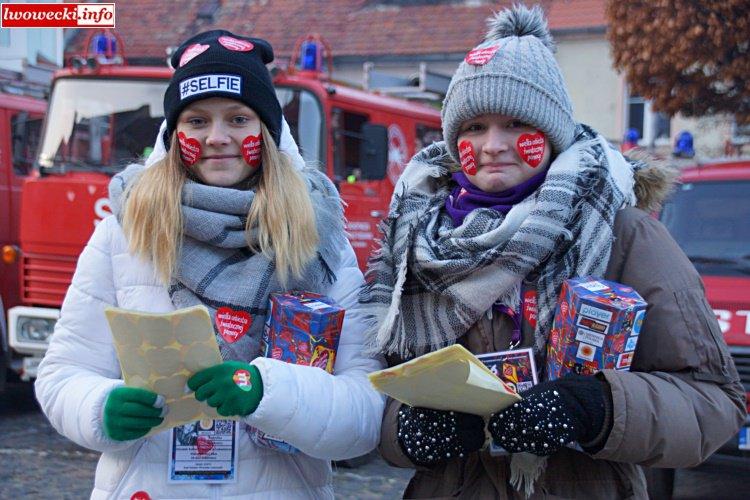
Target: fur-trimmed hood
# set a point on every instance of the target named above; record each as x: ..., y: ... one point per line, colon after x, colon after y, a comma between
x: 654, y: 181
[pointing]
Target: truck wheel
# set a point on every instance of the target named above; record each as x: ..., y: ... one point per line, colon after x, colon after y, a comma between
x: 659, y: 483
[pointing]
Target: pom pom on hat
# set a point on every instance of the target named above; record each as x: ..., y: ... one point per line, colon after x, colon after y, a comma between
x: 520, y: 22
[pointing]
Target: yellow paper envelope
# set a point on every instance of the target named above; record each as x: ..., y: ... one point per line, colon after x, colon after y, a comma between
x: 451, y: 378
x: 160, y: 352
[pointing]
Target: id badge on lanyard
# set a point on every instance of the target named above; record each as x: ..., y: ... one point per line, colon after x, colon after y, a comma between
x: 204, y: 451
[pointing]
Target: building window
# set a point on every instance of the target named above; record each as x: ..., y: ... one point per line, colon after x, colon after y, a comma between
x: 653, y: 128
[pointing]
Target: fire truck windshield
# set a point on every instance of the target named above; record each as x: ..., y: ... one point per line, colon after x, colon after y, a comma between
x: 101, y: 124
x: 711, y: 223
x: 304, y: 114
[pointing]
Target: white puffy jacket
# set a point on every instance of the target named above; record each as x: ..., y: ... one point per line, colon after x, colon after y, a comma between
x: 325, y: 416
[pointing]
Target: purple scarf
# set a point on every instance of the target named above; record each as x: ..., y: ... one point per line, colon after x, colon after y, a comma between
x: 466, y: 197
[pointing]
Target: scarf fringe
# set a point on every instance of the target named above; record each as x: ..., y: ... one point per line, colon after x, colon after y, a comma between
x: 525, y: 469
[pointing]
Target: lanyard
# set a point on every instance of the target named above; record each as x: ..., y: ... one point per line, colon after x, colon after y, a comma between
x: 517, y: 336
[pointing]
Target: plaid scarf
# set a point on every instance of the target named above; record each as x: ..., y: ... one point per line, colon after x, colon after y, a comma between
x: 430, y: 281
x: 216, y: 267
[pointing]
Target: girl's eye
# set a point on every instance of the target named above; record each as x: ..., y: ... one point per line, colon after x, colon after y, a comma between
x: 473, y: 127
x: 195, y: 121
x: 517, y: 124
x: 240, y: 120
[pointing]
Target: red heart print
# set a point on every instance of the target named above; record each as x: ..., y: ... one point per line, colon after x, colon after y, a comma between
x: 232, y: 325
x: 251, y: 147
x: 530, y: 307
x: 191, y: 52
x: 480, y: 56
x: 140, y: 495
x: 531, y: 148
x: 190, y: 149
x: 235, y: 44
x: 204, y: 445
x: 467, y: 157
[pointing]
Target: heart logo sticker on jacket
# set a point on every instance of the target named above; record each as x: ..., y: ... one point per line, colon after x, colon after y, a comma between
x: 232, y: 325
x: 530, y: 307
x: 235, y: 44
x: 480, y: 57
x: 467, y: 157
x: 191, y: 52
x: 204, y: 445
x: 190, y: 149
x: 531, y: 148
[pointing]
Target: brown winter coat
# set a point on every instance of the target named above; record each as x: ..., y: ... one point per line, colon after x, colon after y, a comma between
x: 681, y: 400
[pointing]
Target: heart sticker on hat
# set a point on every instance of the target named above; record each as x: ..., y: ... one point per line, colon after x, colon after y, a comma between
x: 251, y: 147
x: 190, y: 149
x: 191, y: 52
x: 203, y: 444
x: 232, y: 325
x: 481, y: 56
x: 235, y: 44
x: 467, y: 157
x: 531, y: 148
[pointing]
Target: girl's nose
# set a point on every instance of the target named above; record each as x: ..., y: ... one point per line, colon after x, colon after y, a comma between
x: 217, y: 135
x: 497, y: 141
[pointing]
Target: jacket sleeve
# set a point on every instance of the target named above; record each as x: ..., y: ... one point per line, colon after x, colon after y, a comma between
x: 682, y: 398
x: 80, y: 366
x: 326, y: 416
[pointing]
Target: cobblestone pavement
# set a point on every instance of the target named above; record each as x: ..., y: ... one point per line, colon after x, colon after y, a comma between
x: 38, y: 463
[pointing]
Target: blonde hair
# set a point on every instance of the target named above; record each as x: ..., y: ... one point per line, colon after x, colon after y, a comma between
x: 282, y: 211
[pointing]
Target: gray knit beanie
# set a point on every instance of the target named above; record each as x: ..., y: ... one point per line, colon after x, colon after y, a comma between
x: 514, y: 73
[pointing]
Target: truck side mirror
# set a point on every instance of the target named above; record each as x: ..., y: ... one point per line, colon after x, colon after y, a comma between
x: 373, y: 152
x: 19, y: 142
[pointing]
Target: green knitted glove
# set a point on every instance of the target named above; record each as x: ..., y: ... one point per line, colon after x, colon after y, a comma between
x: 130, y: 413
x: 233, y: 388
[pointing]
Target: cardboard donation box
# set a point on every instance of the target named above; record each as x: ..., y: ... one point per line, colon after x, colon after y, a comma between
x: 302, y: 328
x: 596, y: 327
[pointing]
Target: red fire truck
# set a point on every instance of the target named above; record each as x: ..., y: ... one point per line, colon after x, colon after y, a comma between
x: 709, y: 216
x: 104, y: 114
x: 20, y: 127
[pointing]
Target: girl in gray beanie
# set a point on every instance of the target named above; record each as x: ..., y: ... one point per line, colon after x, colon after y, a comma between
x: 482, y: 231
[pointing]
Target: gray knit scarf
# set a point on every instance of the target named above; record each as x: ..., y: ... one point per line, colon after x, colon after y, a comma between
x: 216, y: 266
x: 430, y: 282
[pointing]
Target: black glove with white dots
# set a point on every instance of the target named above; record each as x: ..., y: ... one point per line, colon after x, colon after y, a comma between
x: 428, y: 437
x: 553, y: 414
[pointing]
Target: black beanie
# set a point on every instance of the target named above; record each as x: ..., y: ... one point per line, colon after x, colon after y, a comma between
x: 219, y: 63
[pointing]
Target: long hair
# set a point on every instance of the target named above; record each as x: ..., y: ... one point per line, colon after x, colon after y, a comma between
x: 281, y: 211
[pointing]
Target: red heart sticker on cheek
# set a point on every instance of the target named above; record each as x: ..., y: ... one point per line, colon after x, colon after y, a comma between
x: 467, y: 156
x: 204, y: 445
x: 251, y: 148
x: 531, y: 148
x: 232, y: 325
x: 190, y: 149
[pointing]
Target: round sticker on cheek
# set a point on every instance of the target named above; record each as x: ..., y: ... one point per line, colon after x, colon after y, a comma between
x: 531, y: 148
x: 190, y: 149
x: 251, y: 148
x: 467, y: 157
